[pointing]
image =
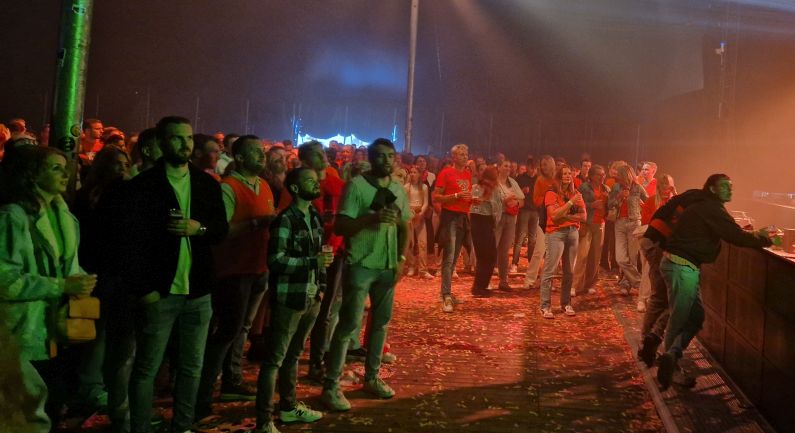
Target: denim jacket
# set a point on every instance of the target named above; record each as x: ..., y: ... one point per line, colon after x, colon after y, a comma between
x: 589, y: 197
x: 637, y: 194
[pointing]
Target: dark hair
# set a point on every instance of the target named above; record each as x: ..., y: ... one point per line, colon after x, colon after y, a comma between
x: 18, y: 176
x: 136, y: 153
x: 101, y: 173
x: 230, y: 138
x: 160, y: 128
x: 378, y: 142
x: 713, y: 180
x: 293, y: 177
x: 305, y: 149
x: 237, y: 146
x: 199, y: 141
x: 531, y: 162
x: 88, y: 122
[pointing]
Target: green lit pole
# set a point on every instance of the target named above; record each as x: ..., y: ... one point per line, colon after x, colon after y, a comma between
x: 70, y: 74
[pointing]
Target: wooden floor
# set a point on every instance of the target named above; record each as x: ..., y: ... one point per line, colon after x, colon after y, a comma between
x: 495, y: 365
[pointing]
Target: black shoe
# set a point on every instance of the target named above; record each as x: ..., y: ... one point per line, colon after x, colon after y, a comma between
x: 680, y: 378
x: 481, y: 293
x: 665, y: 371
x: 359, y: 354
x: 316, y: 373
x: 238, y: 392
x: 648, y: 349
x: 505, y: 288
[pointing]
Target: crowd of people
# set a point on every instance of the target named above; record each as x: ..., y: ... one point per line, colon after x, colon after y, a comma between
x: 194, y: 244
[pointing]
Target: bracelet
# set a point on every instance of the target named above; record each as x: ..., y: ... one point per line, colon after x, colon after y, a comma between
x: 455, y: 196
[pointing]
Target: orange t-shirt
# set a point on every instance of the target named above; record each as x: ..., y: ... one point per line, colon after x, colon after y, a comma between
x: 540, y: 189
x: 553, y: 201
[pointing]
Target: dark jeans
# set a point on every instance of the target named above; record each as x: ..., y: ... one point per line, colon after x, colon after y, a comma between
x: 329, y: 314
x: 608, y: 260
x: 453, y: 228
x: 656, y: 316
x: 235, y: 302
x: 119, y: 357
x: 287, y: 334
x: 190, y: 318
x: 485, y: 244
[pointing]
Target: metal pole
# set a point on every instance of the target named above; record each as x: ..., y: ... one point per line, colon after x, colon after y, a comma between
x: 196, y: 116
x: 248, y: 106
x: 70, y: 74
x: 415, y: 5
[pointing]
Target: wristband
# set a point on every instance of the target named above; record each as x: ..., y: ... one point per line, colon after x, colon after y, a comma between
x: 455, y: 196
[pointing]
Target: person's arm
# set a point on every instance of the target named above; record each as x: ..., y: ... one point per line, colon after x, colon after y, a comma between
x: 279, y: 261
x: 556, y: 211
x: 517, y: 191
x: 216, y: 224
x: 722, y: 224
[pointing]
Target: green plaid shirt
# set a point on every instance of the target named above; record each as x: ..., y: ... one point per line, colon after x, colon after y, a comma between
x: 292, y: 255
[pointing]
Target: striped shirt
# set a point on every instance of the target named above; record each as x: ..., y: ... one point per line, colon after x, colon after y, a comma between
x: 375, y: 246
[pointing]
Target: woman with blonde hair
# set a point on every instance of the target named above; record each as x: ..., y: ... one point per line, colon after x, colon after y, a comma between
x: 626, y: 197
x: 417, y: 253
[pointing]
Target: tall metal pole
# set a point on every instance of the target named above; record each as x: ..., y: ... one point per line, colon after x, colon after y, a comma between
x: 415, y: 5
x: 70, y: 74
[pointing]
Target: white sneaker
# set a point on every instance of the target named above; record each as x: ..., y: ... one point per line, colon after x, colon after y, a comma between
x: 455, y: 274
x: 300, y: 413
x: 547, y: 313
x: 591, y: 291
x: 513, y: 269
x: 641, y: 306
x: 573, y: 293
x: 427, y: 275
x: 410, y: 272
x: 528, y: 284
x: 447, y: 304
x: 569, y: 310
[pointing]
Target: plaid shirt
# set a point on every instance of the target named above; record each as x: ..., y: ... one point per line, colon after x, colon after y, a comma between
x: 292, y: 253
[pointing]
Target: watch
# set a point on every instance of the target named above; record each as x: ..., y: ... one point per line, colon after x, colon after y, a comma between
x: 202, y: 231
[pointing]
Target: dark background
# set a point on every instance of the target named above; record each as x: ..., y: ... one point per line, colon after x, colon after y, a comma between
x: 621, y: 79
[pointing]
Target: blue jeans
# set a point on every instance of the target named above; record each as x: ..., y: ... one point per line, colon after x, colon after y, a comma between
x: 357, y: 283
x: 286, y: 335
x: 119, y: 356
x: 504, y: 235
x: 686, y: 310
x: 561, y: 243
x: 329, y: 315
x: 526, y: 225
x: 627, y: 252
x: 190, y: 318
x: 452, y: 228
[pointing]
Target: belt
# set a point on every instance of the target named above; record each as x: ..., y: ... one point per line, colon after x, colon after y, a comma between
x: 680, y: 260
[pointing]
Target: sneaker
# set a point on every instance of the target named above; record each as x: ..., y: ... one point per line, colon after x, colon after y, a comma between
x: 573, y: 293
x: 335, y: 400
x: 680, y: 378
x: 269, y: 428
x: 359, y: 354
x: 505, y: 288
x: 624, y: 291
x: 591, y: 291
x: 410, y: 272
x: 513, y: 269
x: 238, y: 392
x: 481, y: 293
x: 455, y: 274
x: 427, y: 275
x: 666, y: 370
x: 447, y: 304
x: 300, y: 413
x: 388, y: 358
x: 648, y: 349
x: 569, y: 310
x: 641, y: 306
x: 378, y: 388
x: 547, y: 313
x: 528, y: 284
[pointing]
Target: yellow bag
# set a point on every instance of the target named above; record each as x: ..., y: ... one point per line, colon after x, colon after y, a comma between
x: 74, y: 322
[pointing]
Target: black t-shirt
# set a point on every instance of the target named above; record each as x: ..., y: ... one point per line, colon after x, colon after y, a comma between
x: 527, y: 183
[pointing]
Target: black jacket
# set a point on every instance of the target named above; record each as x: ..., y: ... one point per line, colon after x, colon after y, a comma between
x: 150, y: 250
x: 667, y: 216
x: 702, y: 226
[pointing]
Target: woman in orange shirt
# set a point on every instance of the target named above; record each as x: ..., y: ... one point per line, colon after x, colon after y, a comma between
x: 565, y: 211
x: 546, y: 177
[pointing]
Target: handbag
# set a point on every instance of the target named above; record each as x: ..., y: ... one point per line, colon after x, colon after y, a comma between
x: 74, y: 320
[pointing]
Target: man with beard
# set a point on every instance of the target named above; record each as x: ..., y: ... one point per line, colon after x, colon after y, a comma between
x: 373, y: 218
x: 241, y: 272
x: 173, y: 214
x: 298, y: 277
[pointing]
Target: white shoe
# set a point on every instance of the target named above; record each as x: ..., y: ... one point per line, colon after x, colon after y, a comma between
x: 569, y: 310
x: 513, y: 269
x: 528, y: 284
x: 410, y: 272
x: 455, y: 274
x: 427, y: 275
x: 641, y: 306
x: 300, y: 413
x: 547, y: 313
x: 591, y: 291
x: 573, y: 293
x: 269, y: 428
x: 447, y: 304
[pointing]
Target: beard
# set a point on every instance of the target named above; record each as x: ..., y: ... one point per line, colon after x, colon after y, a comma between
x: 175, y: 157
x: 309, y: 195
